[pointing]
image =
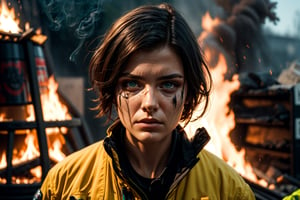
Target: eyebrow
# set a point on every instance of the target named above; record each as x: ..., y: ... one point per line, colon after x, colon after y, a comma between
x: 166, y: 77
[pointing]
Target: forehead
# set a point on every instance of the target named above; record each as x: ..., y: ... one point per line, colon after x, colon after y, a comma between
x: 158, y: 61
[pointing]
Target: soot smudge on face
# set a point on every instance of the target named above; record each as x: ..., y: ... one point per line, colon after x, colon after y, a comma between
x: 125, y: 96
x: 174, y: 101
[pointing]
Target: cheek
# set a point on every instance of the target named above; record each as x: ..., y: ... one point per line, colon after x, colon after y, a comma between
x: 126, y: 107
x: 178, y: 102
x: 173, y: 115
x: 173, y: 106
x: 123, y: 112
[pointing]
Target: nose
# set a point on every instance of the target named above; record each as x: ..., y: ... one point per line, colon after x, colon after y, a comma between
x: 149, y: 101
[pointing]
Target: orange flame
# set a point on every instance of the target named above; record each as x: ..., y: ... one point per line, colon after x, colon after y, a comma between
x: 208, y: 23
x: 220, y: 120
x: 53, y: 109
x: 30, y: 152
x: 8, y: 21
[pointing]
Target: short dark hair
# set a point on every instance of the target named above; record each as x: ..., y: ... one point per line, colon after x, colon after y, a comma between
x: 143, y: 29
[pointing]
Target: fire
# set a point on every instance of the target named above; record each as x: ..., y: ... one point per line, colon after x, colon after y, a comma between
x: 208, y: 23
x: 220, y: 120
x: 8, y: 21
x: 3, y: 161
x: 26, y: 147
x: 30, y: 152
x: 53, y: 110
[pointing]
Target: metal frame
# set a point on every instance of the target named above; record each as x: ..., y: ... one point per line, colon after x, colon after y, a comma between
x: 39, y: 124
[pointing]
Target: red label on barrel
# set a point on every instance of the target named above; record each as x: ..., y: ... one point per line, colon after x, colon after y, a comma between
x: 12, y: 82
x: 41, y: 71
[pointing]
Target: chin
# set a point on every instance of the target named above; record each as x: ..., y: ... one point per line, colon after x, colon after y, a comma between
x: 146, y: 137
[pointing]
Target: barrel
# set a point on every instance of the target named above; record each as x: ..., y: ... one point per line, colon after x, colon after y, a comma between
x: 14, y: 80
x: 13, y: 74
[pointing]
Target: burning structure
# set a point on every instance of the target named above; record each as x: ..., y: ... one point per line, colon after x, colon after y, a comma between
x: 253, y: 119
x: 37, y: 128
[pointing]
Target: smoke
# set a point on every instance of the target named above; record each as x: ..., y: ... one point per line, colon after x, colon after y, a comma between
x: 239, y: 35
x: 77, y: 15
x: 240, y: 29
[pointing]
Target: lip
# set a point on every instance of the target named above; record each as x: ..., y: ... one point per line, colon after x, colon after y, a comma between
x: 149, y: 123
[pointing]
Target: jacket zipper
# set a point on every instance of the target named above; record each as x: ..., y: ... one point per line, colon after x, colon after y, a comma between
x: 135, y: 187
x: 180, y: 177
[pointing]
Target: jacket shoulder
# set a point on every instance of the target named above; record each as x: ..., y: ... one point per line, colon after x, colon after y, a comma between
x: 78, y: 170
x: 215, y: 166
x: 78, y: 158
x: 214, y: 178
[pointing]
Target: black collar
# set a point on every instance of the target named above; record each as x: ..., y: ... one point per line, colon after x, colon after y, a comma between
x: 183, y: 156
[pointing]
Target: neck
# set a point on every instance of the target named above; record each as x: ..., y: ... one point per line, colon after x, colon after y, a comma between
x: 148, y: 160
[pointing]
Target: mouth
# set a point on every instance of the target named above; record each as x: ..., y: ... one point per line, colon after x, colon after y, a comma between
x: 149, y: 123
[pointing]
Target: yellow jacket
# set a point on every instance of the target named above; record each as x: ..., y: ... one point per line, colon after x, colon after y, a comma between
x: 94, y: 173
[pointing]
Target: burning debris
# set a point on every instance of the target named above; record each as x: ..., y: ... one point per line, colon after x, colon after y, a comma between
x: 250, y: 129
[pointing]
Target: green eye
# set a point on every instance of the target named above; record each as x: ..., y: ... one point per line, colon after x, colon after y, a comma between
x: 168, y: 85
x: 131, y: 84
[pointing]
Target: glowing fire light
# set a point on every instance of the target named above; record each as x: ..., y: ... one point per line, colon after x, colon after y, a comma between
x: 208, y: 23
x: 53, y: 110
x: 8, y: 22
x: 220, y: 120
x: 31, y: 151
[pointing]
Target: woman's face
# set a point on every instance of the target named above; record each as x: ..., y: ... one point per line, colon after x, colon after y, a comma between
x: 151, y: 93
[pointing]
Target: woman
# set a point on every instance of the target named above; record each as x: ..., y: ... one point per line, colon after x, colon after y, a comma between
x: 150, y: 72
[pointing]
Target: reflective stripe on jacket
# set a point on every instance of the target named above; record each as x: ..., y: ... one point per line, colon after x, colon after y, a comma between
x: 94, y: 173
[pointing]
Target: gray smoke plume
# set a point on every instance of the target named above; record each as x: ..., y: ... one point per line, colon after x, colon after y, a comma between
x: 239, y: 36
x: 78, y: 15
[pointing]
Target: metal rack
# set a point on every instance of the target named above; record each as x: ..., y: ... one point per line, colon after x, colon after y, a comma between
x: 8, y: 190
